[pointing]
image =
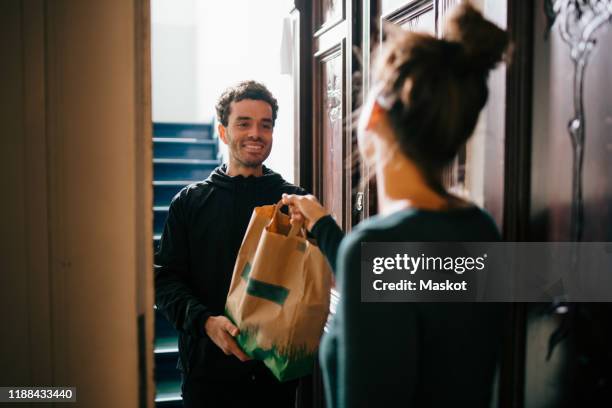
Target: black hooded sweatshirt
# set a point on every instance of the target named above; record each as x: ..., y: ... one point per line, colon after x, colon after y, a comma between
x: 193, y: 267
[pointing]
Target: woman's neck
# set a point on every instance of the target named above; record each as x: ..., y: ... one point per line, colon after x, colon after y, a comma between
x: 401, y: 185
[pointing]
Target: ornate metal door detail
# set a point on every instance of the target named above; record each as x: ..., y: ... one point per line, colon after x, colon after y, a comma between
x: 334, y: 96
x: 578, y: 20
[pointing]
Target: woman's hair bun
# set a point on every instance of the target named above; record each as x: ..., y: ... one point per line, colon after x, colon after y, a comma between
x: 484, y: 43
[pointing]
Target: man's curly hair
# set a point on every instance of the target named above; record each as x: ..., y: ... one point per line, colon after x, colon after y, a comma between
x: 244, y: 90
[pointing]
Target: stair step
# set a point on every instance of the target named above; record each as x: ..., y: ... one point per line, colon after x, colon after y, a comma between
x: 165, y: 366
x: 160, y: 214
x: 169, y: 404
x: 187, y: 162
x: 168, y: 391
x: 185, y: 148
x: 165, y: 345
x: 182, y: 130
x: 178, y: 169
x: 165, y: 350
x: 165, y: 190
x: 156, y: 240
x: 173, y: 183
x: 185, y: 140
x: 163, y: 328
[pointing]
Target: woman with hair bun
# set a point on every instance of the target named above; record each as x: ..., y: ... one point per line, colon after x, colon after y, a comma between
x: 424, y: 106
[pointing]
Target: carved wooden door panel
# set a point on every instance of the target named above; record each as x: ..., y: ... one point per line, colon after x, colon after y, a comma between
x: 571, y: 193
x: 332, y: 104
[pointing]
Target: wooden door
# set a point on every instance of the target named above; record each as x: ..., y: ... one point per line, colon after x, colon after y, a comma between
x: 332, y: 105
x: 571, y: 195
x: 329, y: 30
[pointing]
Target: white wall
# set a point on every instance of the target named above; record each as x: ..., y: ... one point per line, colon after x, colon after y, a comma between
x: 201, y: 47
x: 174, y: 62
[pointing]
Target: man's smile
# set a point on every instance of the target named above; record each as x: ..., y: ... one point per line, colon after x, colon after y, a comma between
x: 253, y: 147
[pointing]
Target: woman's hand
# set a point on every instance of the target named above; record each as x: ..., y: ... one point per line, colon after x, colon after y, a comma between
x: 304, y: 209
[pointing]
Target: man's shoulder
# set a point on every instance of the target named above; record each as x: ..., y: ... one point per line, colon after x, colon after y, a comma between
x: 192, y: 192
x: 278, y: 183
x: 290, y: 188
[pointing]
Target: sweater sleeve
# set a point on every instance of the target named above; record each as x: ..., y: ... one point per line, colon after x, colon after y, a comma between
x: 173, y: 297
x: 328, y: 235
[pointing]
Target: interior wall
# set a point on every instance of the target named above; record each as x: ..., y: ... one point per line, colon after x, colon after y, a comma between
x: 176, y: 77
x: 197, y: 55
x: 71, y: 164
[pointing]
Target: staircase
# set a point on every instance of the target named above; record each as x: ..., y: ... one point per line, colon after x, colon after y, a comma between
x: 182, y: 154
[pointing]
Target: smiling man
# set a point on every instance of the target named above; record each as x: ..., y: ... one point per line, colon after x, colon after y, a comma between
x: 193, y: 268
x: 246, y: 127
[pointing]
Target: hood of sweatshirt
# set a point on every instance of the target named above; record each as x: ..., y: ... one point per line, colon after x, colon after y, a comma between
x: 269, y: 179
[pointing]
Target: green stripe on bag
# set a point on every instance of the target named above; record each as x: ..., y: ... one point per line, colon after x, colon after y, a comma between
x: 268, y: 291
x: 246, y: 271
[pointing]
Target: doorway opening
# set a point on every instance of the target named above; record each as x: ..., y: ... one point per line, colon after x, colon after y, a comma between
x: 198, y: 49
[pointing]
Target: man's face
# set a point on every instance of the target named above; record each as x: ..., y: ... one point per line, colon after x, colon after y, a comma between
x: 248, y: 134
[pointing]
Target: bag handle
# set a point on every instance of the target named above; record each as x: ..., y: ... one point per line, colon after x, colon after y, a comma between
x: 295, y: 228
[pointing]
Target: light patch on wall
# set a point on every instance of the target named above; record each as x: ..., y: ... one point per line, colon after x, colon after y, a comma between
x: 201, y: 47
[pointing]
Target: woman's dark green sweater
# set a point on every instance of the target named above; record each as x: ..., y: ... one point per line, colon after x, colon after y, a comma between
x: 407, y: 354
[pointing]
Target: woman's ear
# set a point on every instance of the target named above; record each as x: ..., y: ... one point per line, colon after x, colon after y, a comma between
x: 377, y: 117
x: 369, y: 131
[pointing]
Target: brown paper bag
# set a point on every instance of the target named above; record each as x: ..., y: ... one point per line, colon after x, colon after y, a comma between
x: 279, y: 295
